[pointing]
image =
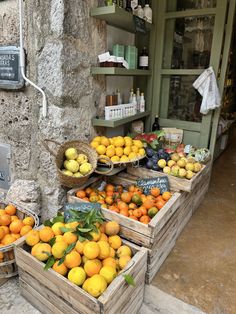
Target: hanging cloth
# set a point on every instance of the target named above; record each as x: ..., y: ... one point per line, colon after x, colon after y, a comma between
x: 207, y: 86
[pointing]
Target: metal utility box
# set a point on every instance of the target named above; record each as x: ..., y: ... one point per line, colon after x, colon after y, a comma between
x: 5, y: 170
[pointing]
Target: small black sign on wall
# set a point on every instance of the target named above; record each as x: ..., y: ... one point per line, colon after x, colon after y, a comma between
x: 10, y: 74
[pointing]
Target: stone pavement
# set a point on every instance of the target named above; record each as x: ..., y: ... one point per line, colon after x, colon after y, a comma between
x: 156, y: 302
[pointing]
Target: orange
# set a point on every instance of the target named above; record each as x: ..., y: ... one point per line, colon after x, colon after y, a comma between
x: 94, y: 198
x: 133, y: 217
x: 25, y: 230
x: 126, y: 197
x: 10, y: 209
x: 109, y: 187
x: 124, y: 212
x: 152, y: 212
x: 166, y: 196
x: 2, y: 233
x: 130, y: 212
x: 60, y: 269
x: 16, y: 235
x: 143, y: 210
x: 119, y: 188
x: 137, y: 213
x: 131, y: 188
x: 132, y: 206
x: 148, y: 204
x: 109, y: 193
x: 92, y: 267
x: 81, y: 194
x: 46, y: 234
x: 16, y: 225
x: 69, y: 237
x: 112, y: 228
x: 136, y: 199
x: 5, y: 220
x: 8, y: 239
x: 145, y: 219
x: 14, y: 217
x: 150, y: 197
x: 73, y: 259
x: 6, y: 229
x: 155, y: 191
x: 2, y: 211
x: 115, y: 242
x: 160, y: 204
x: 28, y: 221
x: 109, y: 200
x: 88, y: 190
x: 32, y: 237
x: 103, y: 228
x: 109, y: 261
x: 114, y: 208
x: 122, y: 206
x: 86, y: 199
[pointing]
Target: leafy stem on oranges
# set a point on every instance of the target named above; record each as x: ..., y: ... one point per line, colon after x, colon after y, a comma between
x: 50, y: 262
x: 67, y: 251
x: 50, y: 222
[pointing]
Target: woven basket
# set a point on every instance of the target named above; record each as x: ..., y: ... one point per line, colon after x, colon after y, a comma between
x: 82, y: 148
x: 8, y: 267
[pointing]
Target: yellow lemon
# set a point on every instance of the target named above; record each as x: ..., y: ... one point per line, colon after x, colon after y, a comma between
x: 85, y: 284
x: 115, y: 242
x: 109, y: 273
x: 119, y: 141
x: 42, y: 251
x: 110, y: 151
x: 115, y: 159
x: 56, y: 228
x: 101, y: 150
x: 124, y: 158
x: 119, y: 151
x: 141, y: 152
x: 124, y: 260
x: 91, y: 250
x: 134, y: 149
x: 111, y: 141
x: 59, y: 248
x: 128, y: 141
x: 105, y: 141
x: 96, y: 285
x: 124, y: 250
x: 102, y: 160
x: 77, y: 275
x: 132, y: 156
x: 94, y: 144
x: 127, y: 150
x: 97, y: 139
x: 138, y: 143
x: 112, y: 252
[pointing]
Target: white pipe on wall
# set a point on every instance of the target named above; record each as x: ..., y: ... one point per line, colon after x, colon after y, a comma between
x: 22, y: 60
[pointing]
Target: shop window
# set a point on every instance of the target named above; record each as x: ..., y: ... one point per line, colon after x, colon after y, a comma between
x: 181, y: 5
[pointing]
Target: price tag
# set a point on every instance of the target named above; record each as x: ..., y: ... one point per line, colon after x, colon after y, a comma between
x: 160, y: 182
x: 79, y: 206
x: 139, y: 25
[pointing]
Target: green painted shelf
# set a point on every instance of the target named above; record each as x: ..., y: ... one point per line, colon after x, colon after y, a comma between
x: 117, y: 17
x: 117, y: 122
x: 118, y: 71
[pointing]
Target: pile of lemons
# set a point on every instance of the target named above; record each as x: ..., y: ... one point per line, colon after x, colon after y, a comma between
x: 118, y: 149
x: 93, y: 264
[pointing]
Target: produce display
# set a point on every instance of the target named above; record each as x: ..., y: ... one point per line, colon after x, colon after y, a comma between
x: 118, y: 149
x: 12, y: 227
x: 130, y: 202
x: 176, y: 163
x: 83, y: 248
x: 76, y: 165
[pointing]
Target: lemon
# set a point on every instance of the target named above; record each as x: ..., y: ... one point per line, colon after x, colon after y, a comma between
x: 115, y: 242
x: 138, y: 143
x: 96, y: 285
x: 71, y: 153
x: 104, y: 249
x: 91, y: 250
x: 110, y: 151
x: 82, y: 158
x: 134, y: 149
x: 124, y: 158
x: 115, y: 159
x: 77, y: 275
x: 119, y: 151
x: 127, y: 150
x: 59, y: 248
x: 77, y: 175
x: 132, y: 156
x: 119, y: 141
x: 141, y: 152
x: 124, y: 250
x: 85, y: 284
x: 85, y: 168
x: 102, y: 160
x: 109, y: 273
x: 94, y: 144
x: 56, y: 228
x: 96, y: 235
x: 105, y: 141
x: 124, y: 260
x: 111, y: 141
x: 97, y: 139
x: 128, y: 141
x: 101, y: 150
x: 71, y: 165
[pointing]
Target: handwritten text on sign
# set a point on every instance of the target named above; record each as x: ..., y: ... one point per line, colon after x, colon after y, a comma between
x: 147, y: 184
x: 80, y: 206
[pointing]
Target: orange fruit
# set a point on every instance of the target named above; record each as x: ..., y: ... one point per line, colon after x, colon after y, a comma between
x: 32, y: 237
x: 2, y: 233
x: 14, y: 217
x: 5, y: 220
x: 73, y: 259
x: 46, y: 234
x: 133, y: 217
x: 10, y: 209
x: 16, y: 235
x: 132, y: 206
x: 25, y: 230
x: 137, y: 213
x: 16, y: 226
x: 86, y: 199
x: 136, y: 199
x: 143, y: 210
x: 160, y: 204
x: 6, y: 229
x: 28, y: 221
x: 109, y: 200
x: 60, y: 269
x: 81, y: 194
x: 166, y: 196
x: 130, y: 212
x: 150, y: 197
x: 148, y: 204
x: 126, y: 197
x: 69, y: 237
x: 94, y: 198
x: 2, y: 211
x: 114, y: 208
x: 109, y: 187
x: 145, y: 219
x: 131, y: 188
x: 112, y: 228
x: 92, y: 267
x: 109, y: 193
x: 88, y: 190
x: 155, y: 191
x: 124, y: 212
x: 152, y: 211
x: 115, y: 242
x: 122, y: 206
x: 8, y: 239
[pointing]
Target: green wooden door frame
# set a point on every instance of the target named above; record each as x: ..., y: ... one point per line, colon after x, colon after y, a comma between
x: 161, y: 100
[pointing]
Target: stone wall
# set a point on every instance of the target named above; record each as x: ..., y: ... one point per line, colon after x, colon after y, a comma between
x: 62, y: 42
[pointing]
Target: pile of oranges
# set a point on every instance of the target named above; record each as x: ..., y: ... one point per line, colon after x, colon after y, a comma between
x: 132, y: 203
x: 11, y: 226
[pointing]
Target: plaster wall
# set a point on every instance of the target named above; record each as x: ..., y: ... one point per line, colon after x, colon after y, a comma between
x: 62, y: 42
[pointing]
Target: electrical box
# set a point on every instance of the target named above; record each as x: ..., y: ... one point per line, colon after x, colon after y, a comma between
x: 10, y: 73
x: 5, y: 169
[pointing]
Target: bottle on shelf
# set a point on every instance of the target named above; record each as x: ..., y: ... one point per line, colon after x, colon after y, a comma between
x: 134, y: 4
x: 138, y: 99
x: 120, y: 4
x: 134, y: 103
x: 142, y: 103
x: 128, y: 6
x: 131, y: 96
x: 143, y: 59
x: 147, y: 13
x: 156, y: 125
x: 119, y: 101
x: 139, y: 11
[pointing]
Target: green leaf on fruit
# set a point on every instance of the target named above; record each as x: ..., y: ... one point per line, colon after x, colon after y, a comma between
x: 61, y: 261
x: 129, y: 279
x: 50, y: 262
x: 52, y: 241
x: 64, y: 229
x: 48, y: 223
x: 84, y: 230
x: 58, y: 219
x: 70, y: 248
x: 45, y: 252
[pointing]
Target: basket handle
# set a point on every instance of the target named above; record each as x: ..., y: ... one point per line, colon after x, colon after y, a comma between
x: 108, y: 162
x: 45, y: 144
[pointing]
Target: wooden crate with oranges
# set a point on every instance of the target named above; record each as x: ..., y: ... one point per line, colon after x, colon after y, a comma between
x: 157, y: 233
x: 15, y: 222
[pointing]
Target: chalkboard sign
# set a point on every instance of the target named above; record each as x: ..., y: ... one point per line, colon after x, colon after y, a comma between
x: 10, y: 74
x: 80, y: 206
x: 161, y: 182
x: 139, y: 25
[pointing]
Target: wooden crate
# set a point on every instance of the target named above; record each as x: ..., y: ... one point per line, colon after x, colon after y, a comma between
x: 176, y: 184
x: 132, y: 230
x: 50, y: 292
x: 8, y: 266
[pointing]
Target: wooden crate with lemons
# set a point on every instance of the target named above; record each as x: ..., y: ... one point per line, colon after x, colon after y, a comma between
x: 15, y: 222
x: 78, y: 263
x: 144, y: 218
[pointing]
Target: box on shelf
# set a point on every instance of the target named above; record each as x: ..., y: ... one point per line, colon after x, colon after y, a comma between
x: 131, y: 56
x: 118, y: 50
x: 119, y: 111
x: 50, y: 292
x: 157, y: 236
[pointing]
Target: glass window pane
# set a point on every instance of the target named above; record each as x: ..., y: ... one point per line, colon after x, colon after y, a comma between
x: 188, y: 42
x: 181, y: 5
x: 184, y: 100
